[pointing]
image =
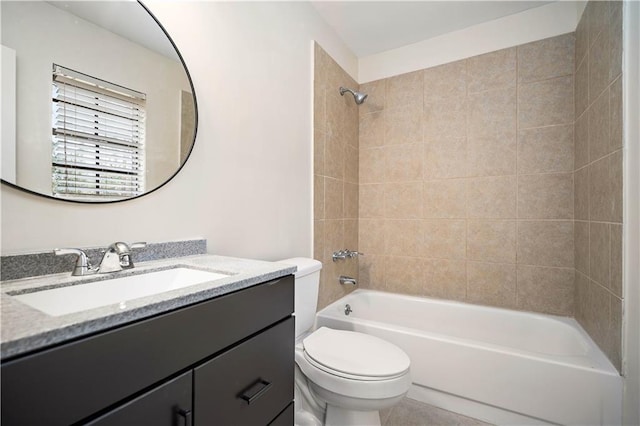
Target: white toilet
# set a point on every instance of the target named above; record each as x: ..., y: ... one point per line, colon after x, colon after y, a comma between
x: 342, y: 377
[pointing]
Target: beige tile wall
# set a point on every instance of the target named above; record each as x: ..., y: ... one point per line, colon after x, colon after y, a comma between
x: 335, y: 174
x: 494, y: 180
x: 598, y: 175
x: 466, y: 180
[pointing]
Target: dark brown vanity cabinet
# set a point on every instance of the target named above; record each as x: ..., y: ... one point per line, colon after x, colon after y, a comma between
x: 224, y: 361
x: 169, y: 404
x: 248, y: 383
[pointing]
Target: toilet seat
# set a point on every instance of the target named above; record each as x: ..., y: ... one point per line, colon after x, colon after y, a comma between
x: 355, y: 356
x: 359, y: 390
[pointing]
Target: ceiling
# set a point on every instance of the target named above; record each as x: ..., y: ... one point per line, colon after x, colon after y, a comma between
x: 366, y: 27
x: 369, y: 27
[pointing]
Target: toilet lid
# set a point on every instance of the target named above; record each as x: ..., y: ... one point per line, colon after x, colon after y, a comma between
x: 348, y: 353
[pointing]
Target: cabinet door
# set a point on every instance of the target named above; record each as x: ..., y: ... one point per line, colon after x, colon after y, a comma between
x: 249, y: 384
x: 167, y: 405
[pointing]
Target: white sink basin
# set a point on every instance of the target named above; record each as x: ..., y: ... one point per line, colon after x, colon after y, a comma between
x: 81, y: 297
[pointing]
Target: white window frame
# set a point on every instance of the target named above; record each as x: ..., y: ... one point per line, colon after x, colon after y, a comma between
x: 98, y: 138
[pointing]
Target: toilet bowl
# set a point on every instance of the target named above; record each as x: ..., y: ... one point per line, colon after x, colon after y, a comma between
x: 342, y: 377
x: 355, y: 374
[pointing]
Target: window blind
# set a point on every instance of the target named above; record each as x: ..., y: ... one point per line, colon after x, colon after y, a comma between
x: 98, y: 137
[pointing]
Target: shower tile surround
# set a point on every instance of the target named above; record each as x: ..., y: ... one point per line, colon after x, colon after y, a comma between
x: 335, y: 175
x: 466, y: 180
x: 493, y: 180
x: 598, y: 175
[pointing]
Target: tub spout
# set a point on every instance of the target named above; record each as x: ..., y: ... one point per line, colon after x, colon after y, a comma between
x: 347, y: 280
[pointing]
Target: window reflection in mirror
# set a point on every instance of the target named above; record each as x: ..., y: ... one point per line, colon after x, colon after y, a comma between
x: 114, y: 41
x: 98, y: 136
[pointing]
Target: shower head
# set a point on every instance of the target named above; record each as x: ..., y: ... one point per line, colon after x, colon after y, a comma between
x: 359, y: 97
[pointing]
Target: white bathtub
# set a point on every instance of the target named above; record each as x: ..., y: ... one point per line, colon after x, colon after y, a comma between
x: 498, y: 365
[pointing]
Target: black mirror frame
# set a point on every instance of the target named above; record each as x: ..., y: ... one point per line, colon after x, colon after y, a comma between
x: 195, y: 133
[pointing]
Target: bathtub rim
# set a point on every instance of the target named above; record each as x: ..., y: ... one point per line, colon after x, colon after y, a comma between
x: 597, y: 360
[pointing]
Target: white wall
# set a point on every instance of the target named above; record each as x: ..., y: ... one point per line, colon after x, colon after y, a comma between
x: 8, y: 114
x: 41, y: 35
x: 534, y: 24
x: 247, y: 185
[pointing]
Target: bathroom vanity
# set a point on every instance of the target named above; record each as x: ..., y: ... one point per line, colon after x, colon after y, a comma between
x: 201, y: 355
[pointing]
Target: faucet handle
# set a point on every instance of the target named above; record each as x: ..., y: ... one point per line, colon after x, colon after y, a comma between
x: 83, y: 266
x: 126, y: 262
x: 118, y: 256
x: 63, y: 251
x: 344, y: 254
x: 339, y: 255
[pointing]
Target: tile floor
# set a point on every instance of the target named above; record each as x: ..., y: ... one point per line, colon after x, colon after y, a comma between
x: 410, y: 412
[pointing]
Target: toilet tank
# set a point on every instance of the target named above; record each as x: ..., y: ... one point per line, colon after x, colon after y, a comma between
x: 307, y: 283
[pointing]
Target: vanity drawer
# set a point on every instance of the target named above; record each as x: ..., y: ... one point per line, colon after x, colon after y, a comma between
x: 73, y: 381
x: 167, y: 405
x: 286, y: 418
x: 249, y: 384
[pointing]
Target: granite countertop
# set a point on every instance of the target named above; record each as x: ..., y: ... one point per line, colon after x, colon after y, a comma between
x: 25, y: 329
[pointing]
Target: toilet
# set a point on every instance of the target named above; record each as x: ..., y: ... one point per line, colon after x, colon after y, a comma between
x: 342, y: 377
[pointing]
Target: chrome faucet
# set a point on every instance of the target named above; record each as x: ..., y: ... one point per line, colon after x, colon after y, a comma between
x: 347, y: 280
x: 117, y: 257
x: 83, y: 266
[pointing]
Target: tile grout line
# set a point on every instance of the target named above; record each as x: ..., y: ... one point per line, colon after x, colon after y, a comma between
x: 424, y: 283
x: 466, y: 180
x: 588, y: 133
x: 617, y: 150
x: 459, y: 178
x: 383, y: 260
x: 517, y: 123
x: 596, y: 283
x: 547, y: 126
x: 573, y: 179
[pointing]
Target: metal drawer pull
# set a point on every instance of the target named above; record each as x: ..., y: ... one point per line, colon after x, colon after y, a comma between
x: 255, y: 391
x: 186, y: 415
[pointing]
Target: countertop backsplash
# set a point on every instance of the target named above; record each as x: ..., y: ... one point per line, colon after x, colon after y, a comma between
x: 13, y: 267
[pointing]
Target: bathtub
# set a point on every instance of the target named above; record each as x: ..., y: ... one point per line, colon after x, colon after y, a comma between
x: 497, y: 365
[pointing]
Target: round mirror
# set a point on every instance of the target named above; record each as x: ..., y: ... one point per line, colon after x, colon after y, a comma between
x: 97, y: 103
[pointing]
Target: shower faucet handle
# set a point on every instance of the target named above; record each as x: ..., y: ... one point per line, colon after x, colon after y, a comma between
x: 344, y: 254
x: 339, y: 255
